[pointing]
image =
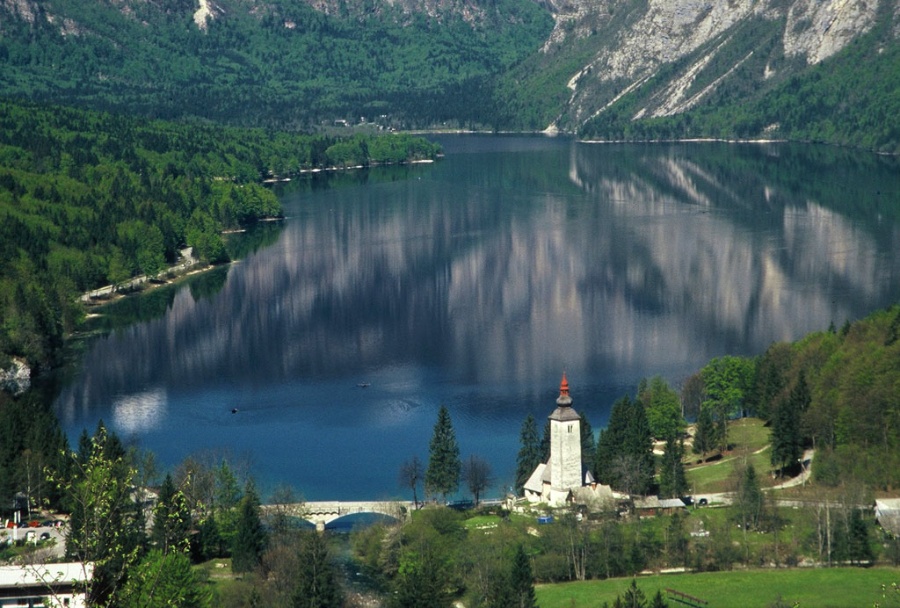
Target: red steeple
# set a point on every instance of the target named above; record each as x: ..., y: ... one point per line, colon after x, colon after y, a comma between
x: 564, y: 399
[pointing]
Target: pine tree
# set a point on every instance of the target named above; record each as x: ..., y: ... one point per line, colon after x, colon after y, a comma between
x: 588, y: 445
x: 522, y: 581
x: 672, y: 481
x: 529, y: 453
x: 442, y: 475
x: 659, y: 601
x: 634, y: 597
x: 316, y: 579
x: 610, y: 442
x: 787, y: 440
x: 164, y: 580
x: 749, y: 500
x: 705, y: 435
x: 545, y: 441
x: 250, y: 538
x: 171, y: 519
x: 859, y: 549
x: 639, y: 450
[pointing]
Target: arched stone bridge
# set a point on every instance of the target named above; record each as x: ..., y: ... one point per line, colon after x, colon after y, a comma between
x: 324, y: 512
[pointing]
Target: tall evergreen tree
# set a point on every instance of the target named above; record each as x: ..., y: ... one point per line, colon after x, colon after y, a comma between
x: 529, y: 456
x: 749, y: 500
x: 705, y: 435
x: 588, y: 444
x: 545, y: 441
x: 164, y: 580
x: 639, y: 450
x: 442, y: 475
x: 316, y: 580
x: 522, y: 581
x: 171, y: 519
x: 250, y: 538
x: 624, y: 457
x: 787, y: 441
x: 859, y: 547
x: 610, y: 442
x: 672, y: 481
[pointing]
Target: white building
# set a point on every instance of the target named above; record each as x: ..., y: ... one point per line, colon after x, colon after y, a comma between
x: 564, y: 477
x: 45, y: 585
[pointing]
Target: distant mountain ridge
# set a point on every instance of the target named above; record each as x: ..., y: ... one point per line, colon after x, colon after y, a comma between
x: 820, y: 70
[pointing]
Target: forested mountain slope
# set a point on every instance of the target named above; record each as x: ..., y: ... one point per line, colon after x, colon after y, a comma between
x: 636, y: 69
x: 90, y: 198
x: 606, y: 69
x: 253, y: 62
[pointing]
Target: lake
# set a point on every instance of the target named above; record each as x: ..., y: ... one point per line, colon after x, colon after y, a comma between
x: 322, y: 356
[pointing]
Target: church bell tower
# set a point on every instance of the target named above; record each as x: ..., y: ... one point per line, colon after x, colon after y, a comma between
x: 565, y: 443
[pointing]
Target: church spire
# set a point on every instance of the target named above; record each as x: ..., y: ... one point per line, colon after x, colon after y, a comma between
x: 564, y: 400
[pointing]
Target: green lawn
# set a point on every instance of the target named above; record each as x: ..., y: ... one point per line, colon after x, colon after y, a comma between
x: 749, y: 439
x: 814, y: 588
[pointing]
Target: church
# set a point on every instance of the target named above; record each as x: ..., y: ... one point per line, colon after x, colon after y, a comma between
x: 564, y: 478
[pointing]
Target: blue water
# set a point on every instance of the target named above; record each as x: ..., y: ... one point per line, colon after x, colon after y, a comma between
x: 474, y: 282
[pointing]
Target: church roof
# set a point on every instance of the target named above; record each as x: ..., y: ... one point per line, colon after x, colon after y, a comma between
x: 535, y: 483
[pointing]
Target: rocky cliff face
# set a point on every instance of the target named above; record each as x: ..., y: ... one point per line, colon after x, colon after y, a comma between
x: 635, y: 40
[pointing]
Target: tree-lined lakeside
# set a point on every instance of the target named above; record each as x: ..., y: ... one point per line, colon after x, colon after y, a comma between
x: 89, y: 199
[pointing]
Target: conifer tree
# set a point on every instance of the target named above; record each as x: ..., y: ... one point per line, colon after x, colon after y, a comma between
x: 672, y: 481
x: 705, y: 435
x: 442, y: 475
x: 749, y: 500
x: 787, y: 441
x: 588, y: 445
x: 529, y: 452
x: 610, y: 442
x: 250, y: 538
x: 545, y: 441
x: 316, y: 578
x: 639, y: 450
x: 164, y: 580
x: 522, y: 581
x: 171, y: 519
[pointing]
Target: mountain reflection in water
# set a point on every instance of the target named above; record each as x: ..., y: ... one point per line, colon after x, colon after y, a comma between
x: 474, y: 282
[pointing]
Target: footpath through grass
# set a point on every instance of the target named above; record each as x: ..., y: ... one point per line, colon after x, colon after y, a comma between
x: 748, y: 438
x: 813, y: 587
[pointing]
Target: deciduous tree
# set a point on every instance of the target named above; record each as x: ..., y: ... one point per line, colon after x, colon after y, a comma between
x: 476, y: 472
x: 411, y: 474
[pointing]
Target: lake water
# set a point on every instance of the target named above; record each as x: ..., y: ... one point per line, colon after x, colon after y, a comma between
x: 474, y: 282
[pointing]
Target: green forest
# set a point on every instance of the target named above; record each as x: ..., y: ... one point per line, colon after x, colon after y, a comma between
x: 285, y: 65
x: 91, y: 198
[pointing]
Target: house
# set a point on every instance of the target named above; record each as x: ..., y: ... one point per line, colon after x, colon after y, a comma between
x: 887, y: 513
x: 654, y: 505
x: 45, y: 585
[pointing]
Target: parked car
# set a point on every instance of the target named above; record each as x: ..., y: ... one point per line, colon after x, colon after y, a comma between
x: 45, y: 536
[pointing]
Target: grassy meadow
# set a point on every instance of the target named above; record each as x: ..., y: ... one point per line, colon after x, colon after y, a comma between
x: 813, y: 587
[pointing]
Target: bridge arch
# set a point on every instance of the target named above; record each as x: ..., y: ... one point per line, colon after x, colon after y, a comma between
x: 323, y: 513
